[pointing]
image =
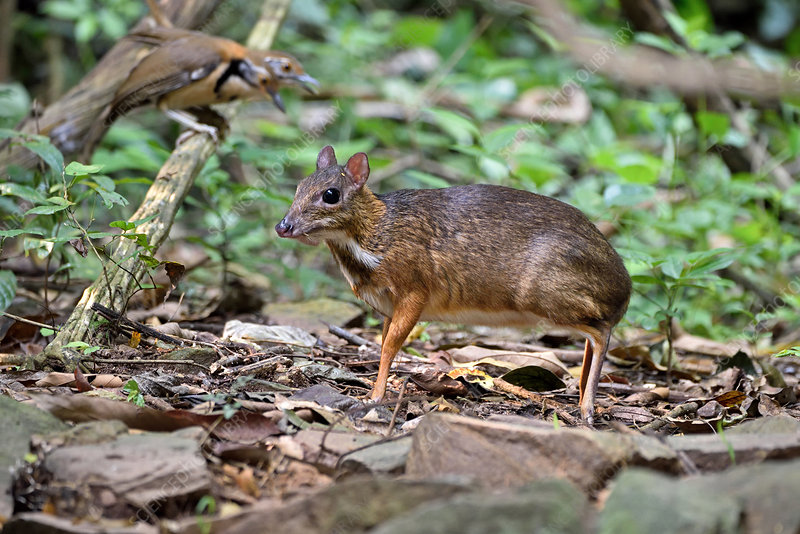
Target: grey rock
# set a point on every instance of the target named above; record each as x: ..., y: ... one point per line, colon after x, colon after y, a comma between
x: 501, y: 455
x: 20, y: 422
x: 751, y: 499
x: 546, y: 507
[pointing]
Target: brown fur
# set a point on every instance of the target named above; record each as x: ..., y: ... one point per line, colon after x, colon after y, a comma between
x: 480, y: 253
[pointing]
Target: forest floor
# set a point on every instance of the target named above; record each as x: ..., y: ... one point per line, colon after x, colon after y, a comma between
x: 237, y: 426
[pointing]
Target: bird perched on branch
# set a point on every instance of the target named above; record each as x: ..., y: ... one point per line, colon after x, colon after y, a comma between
x: 189, y: 71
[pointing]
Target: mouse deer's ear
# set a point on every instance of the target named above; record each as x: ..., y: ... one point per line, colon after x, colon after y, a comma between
x: 326, y: 158
x: 357, y: 169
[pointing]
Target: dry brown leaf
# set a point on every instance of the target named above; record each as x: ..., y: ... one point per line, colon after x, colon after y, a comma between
x: 55, y: 380
x: 474, y: 355
x: 81, y: 383
x: 700, y: 364
x: 439, y: 383
x: 630, y: 355
x: 701, y: 345
x: 441, y: 405
x: 243, y: 426
x: 245, y: 480
x: 767, y: 406
x: 106, y: 381
x: 730, y: 399
x: 136, y: 338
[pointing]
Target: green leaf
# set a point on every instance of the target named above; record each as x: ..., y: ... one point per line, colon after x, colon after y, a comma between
x: 645, y: 279
x: 105, y: 182
x: 79, y: 169
x: 658, y: 41
x: 100, y: 235
x: 124, y: 225
x: 456, y: 126
x: 793, y: 351
x: 672, y: 267
x: 135, y: 396
x: 150, y: 261
x: 678, y: 24
x: 46, y: 332
x: 111, y: 197
x: 426, y: 179
x: 713, y: 123
x: 137, y: 222
x: 8, y: 288
x: 60, y: 201
x: 416, y: 31
x: 45, y: 210
x: 627, y: 194
x: 83, y: 346
x: 502, y: 137
x: 633, y: 167
x: 112, y: 24
x: 62, y: 9
x: 49, y: 154
x: 22, y: 191
x: 705, y: 262
x: 86, y: 28
x: 19, y: 231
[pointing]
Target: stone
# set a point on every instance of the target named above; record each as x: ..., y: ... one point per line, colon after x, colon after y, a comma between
x: 144, y: 471
x: 20, y: 422
x: 501, y: 455
x: 712, y: 452
x: 749, y: 499
x: 313, y: 315
x: 354, y: 506
x: 546, y: 506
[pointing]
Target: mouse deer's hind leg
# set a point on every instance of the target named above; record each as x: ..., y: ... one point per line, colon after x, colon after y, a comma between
x: 593, y: 356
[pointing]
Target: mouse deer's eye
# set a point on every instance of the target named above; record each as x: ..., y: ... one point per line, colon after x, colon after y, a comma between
x: 287, y: 67
x: 330, y: 196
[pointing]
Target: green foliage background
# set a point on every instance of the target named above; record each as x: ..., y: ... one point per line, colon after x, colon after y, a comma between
x: 715, y: 248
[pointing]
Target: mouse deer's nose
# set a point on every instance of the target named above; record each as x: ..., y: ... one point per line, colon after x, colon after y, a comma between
x: 284, y: 228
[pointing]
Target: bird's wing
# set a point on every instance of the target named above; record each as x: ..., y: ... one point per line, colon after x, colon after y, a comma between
x: 169, y: 67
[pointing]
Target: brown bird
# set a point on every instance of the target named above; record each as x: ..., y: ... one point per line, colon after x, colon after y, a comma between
x: 282, y: 68
x: 190, y: 70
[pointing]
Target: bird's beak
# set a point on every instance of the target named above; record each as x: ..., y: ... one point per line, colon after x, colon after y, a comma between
x: 309, y: 83
x: 277, y: 100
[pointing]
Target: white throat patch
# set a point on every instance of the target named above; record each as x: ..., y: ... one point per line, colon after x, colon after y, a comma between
x: 367, y: 259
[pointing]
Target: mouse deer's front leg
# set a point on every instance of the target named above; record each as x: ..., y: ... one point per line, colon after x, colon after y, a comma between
x: 396, y: 328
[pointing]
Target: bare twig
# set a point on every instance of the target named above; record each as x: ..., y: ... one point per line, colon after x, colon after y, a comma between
x: 397, y: 406
x: 28, y: 321
x: 148, y: 362
x: 355, y: 339
x: 113, y: 316
x: 678, y: 411
x: 561, y: 409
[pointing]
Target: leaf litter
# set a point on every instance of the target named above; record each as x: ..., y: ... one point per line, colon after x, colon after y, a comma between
x: 279, y: 413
